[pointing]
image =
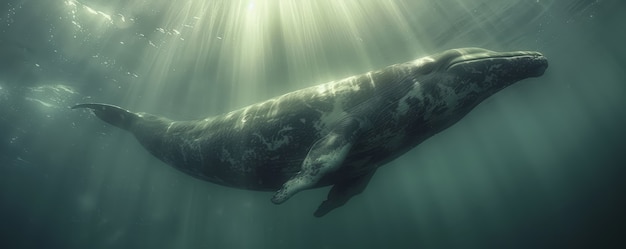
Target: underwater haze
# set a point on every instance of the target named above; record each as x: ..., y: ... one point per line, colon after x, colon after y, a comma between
x: 540, y: 164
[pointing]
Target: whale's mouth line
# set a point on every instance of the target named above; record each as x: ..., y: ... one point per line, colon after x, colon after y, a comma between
x: 476, y: 58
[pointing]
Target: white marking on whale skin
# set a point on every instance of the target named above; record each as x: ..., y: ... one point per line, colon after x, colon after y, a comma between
x: 369, y: 75
x: 339, y: 110
x: 353, y: 84
x: 227, y: 157
x: 274, y: 106
x: 494, y: 66
x: 235, y: 165
x: 490, y: 75
x: 403, y: 105
x: 451, y: 99
x: 324, y: 89
x: 488, y: 79
x: 276, y: 143
x: 285, y: 138
x: 329, y: 118
x: 191, y: 147
x: 243, y: 118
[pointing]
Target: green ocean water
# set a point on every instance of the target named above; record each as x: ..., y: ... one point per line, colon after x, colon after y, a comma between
x: 538, y: 165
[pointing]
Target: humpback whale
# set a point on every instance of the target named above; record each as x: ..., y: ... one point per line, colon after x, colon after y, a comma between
x: 337, y: 133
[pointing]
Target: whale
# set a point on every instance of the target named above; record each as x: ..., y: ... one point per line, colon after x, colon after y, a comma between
x: 333, y: 134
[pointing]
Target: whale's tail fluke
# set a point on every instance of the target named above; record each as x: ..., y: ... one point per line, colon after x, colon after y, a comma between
x: 112, y: 114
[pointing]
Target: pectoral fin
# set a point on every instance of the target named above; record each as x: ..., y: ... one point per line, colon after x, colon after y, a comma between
x: 326, y: 155
x: 342, y: 192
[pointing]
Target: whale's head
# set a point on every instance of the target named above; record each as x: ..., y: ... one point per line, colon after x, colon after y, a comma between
x: 464, y: 77
x: 489, y: 71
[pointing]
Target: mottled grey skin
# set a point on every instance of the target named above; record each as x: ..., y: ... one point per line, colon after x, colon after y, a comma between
x: 336, y: 133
